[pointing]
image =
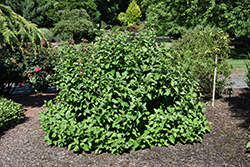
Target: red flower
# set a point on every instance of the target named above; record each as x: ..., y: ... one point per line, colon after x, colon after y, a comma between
x: 21, y: 84
x: 38, y: 69
x: 44, y: 66
x: 80, y: 61
x: 43, y: 43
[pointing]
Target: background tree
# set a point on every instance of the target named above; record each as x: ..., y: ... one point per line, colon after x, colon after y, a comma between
x: 132, y: 15
x: 15, y: 29
x: 170, y: 17
x: 74, y: 23
x: 57, y: 6
x: 31, y: 10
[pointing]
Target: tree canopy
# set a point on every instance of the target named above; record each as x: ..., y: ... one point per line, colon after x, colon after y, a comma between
x: 31, y: 10
x: 15, y: 29
x: 170, y: 17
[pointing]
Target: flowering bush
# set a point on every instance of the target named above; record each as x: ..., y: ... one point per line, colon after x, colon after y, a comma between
x: 39, y: 67
x: 123, y: 93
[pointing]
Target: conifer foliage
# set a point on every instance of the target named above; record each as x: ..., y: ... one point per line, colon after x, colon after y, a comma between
x: 15, y: 29
x: 31, y: 10
x: 133, y: 14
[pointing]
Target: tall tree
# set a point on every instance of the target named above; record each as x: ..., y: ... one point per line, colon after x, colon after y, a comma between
x: 169, y: 17
x: 60, y: 5
x: 15, y: 29
x: 31, y: 10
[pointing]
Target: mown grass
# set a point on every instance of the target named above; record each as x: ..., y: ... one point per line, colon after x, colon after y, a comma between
x: 239, y: 58
x: 238, y: 64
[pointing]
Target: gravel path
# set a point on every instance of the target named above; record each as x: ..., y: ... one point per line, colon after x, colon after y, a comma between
x: 223, y: 146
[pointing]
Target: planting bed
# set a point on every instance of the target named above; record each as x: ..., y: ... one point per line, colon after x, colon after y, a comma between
x: 223, y: 146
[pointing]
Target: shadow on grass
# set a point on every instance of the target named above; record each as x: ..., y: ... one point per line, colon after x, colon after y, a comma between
x: 239, y: 104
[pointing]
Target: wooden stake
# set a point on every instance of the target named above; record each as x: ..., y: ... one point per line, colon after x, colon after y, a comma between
x: 215, y: 69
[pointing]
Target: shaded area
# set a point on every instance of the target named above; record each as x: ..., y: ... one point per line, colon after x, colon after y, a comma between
x: 23, y: 120
x: 239, y: 102
x: 33, y: 100
x: 240, y: 53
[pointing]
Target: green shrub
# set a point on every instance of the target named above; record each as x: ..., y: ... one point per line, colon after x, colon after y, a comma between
x: 74, y: 24
x: 122, y: 93
x: 10, y: 113
x: 198, y: 48
x: 18, y: 66
x: 38, y: 66
x: 47, y: 33
x: 14, y: 31
x: 10, y: 69
x: 132, y: 15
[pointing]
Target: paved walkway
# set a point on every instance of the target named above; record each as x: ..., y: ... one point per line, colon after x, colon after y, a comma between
x: 239, y: 82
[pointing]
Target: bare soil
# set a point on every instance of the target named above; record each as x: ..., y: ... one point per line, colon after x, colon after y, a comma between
x: 225, y: 145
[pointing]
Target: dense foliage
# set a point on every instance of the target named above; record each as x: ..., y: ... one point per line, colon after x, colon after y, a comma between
x: 10, y: 113
x: 198, y: 48
x: 74, y: 24
x: 132, y: 15
x: 15, y: 31
x: 122, y: 93
x: 170, y: 17
x: 37, y: 67
x: 31, y: 10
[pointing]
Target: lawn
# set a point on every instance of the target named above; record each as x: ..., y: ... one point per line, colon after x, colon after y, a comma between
x: 238, y: 64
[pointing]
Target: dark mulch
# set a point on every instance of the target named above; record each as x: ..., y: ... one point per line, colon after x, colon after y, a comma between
x: 223, y: 146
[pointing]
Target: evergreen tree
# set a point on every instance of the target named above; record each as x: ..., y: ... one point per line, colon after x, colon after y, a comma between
x: 31, y: 10
x: 75, y: 24
x: 15, y: 29
x: 133, y: 14
x: 57, y: 6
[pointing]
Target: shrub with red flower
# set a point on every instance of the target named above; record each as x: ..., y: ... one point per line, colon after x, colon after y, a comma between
x: 38, y: 69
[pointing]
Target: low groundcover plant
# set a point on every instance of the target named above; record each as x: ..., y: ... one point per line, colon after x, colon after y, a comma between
x: 123, y: 93
x: 11, y: 113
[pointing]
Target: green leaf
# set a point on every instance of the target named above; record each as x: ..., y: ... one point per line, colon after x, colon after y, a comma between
x: 135, y: 145
x: 149, y: 96
x: 171, y: 139
x: 248, y: 145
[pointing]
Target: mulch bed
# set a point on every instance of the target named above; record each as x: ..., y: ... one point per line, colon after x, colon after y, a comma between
x: 225, y: 145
